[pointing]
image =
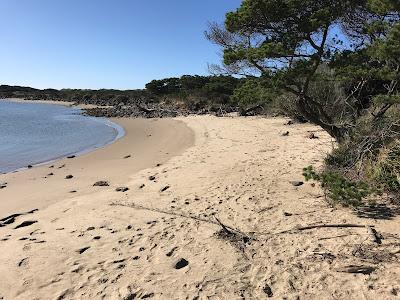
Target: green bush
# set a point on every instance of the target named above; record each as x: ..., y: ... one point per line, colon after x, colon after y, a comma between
x: 250, y: 93
x: 338, y: 188
x: 384, y: 169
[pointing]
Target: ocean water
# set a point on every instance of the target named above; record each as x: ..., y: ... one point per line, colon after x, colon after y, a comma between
x: 34, y: 133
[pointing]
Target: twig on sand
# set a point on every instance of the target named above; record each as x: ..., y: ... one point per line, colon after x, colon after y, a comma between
x: 223, y: 226
x: 330, y: 226
x: 375, y: 236
x: 237, y: 239
x: 366, y: 270
x: 334, y: 237
x: 316, y: 226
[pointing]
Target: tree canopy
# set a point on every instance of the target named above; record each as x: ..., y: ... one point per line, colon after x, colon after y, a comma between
x: 286, y: 42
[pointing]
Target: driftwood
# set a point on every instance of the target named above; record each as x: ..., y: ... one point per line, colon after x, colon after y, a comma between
x: 251, y: 109
x: 330, y: 226
x: 373, y: 233
x: 234, y: 236
x: 303, y: 228
x: 227, y: 231
x: 226, y: 228
x: 316, y: 226
x: 375, y: 236
x: 237, y: 239
x: 334, y: 237
x: 366, y: 270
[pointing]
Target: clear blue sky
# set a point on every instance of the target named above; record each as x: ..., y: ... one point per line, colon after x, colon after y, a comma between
x: 105, y: 43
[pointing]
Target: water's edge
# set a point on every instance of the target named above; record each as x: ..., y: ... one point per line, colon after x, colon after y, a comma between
x: 119, y: 130
x: 120, y: 134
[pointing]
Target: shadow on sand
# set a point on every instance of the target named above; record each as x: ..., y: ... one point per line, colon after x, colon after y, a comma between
x: 378, y: 211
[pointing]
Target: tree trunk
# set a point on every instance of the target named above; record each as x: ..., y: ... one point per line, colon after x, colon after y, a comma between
x: 314, y: 113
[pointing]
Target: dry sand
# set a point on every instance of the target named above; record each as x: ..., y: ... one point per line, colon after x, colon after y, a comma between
x: 103, y: 244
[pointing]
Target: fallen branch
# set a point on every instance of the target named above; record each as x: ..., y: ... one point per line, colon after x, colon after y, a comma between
x: 334, y: 237
x: 330, y: 226
x: 251, y: 109
x: 303, y: 228
x: 226, y: 228
x: 366, y: 270
x: 237, y: 239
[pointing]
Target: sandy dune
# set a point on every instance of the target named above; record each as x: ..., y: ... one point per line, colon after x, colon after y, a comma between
x: 161, y: 239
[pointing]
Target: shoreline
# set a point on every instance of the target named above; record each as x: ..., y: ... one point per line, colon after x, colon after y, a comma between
x: 119, y: 133
x: 33, y: 188
x: 53, y: 102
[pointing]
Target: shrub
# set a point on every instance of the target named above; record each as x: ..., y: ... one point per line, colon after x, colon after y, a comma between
x: 385, y: 168
x: 250, y: 93
x: 338, y: 188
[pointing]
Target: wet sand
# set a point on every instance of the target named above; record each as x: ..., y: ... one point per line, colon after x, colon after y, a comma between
x: 147, y: 142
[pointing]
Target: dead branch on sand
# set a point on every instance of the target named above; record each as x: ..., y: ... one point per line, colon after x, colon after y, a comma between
x: 227, y: 229
x: 303, y: 228
x: 366, y: 270
x: 330, y: 226
x: 375, y: 236
x: 235, y: 237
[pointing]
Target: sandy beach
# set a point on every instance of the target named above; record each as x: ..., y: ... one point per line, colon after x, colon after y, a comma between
x: 163, y: 237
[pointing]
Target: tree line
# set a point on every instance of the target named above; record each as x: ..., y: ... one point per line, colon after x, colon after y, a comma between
x: 192, y: 91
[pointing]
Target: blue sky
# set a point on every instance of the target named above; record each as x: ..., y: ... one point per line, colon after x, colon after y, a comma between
x: 94, y: 44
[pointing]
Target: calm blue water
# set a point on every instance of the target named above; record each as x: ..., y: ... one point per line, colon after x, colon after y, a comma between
x: 33, y: 133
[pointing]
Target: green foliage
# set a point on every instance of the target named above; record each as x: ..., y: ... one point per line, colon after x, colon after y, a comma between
x: 376, y: 66
x: 384, y: 169
x: 96, y: 97
x: 286, y: 42
x: 251, y: 92
x: 340, y: 60
x: 220, y: 88
x: 383, y: 6
x: 164, y: 86
x: 338, y: 188
x: 196, y: 92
